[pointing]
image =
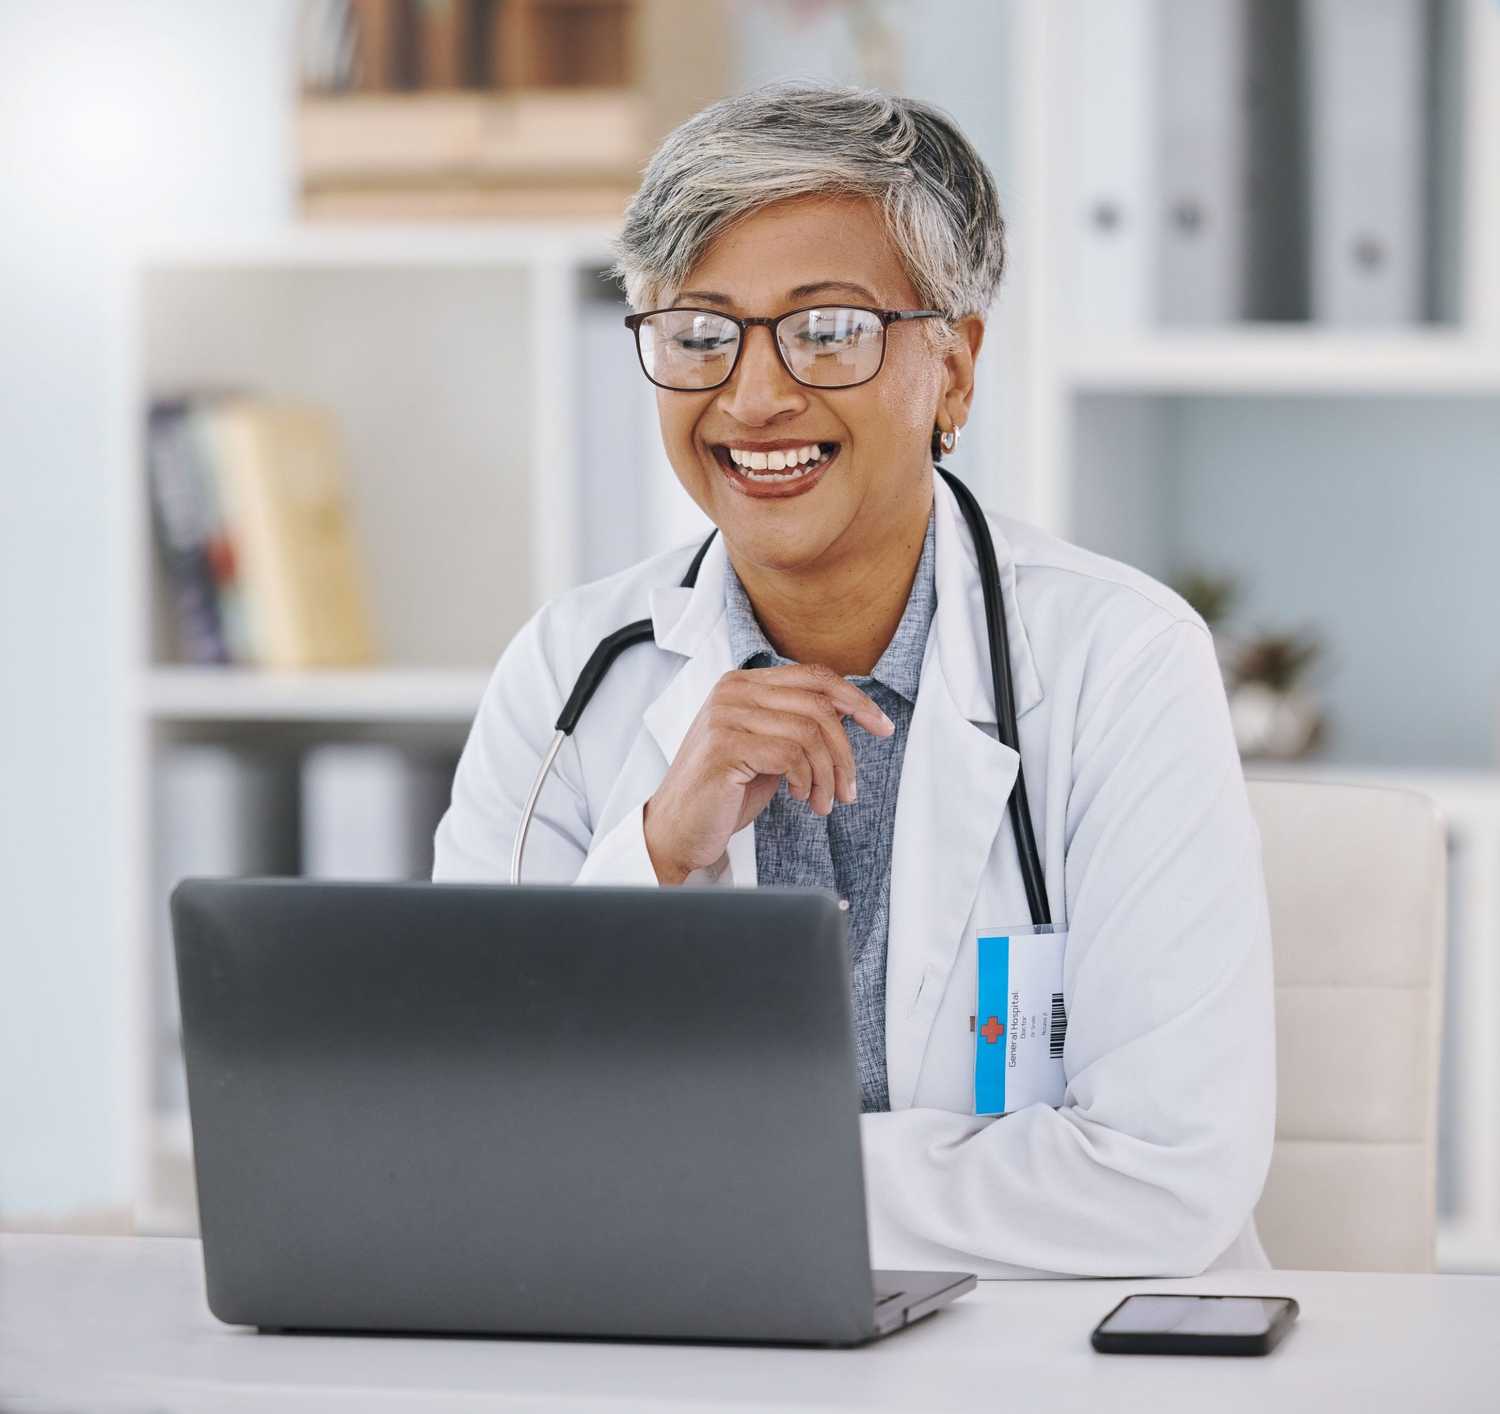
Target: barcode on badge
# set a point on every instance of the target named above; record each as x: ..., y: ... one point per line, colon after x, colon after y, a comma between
x: 1057, y: 1035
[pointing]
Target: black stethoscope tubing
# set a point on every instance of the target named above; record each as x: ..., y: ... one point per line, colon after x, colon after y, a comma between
x: 610, y: 648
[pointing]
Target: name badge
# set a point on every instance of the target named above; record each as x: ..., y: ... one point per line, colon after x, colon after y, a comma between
x: 1020, y: 1023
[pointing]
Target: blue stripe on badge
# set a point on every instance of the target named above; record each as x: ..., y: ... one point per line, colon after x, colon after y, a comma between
x: 989, y: 1025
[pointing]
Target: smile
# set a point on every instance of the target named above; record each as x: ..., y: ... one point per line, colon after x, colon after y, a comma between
x: 777, y: 472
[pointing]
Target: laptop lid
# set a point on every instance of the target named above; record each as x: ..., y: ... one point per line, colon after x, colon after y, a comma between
x: 574, y: 1111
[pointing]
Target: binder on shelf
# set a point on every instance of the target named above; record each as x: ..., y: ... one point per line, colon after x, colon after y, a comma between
x: 220, y: 811
x: 1443, y: 157
x: 1203, y: 154
x: 280, y: 476
x: 1276, y: 177
x: 1113, y: 201
x: 369, y: 810
x: 1365, y: 61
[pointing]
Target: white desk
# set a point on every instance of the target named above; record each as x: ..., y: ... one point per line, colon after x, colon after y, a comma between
x: 119, y: 1324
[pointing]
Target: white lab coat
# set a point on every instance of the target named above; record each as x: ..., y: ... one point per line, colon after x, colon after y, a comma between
x: 1154, y: 1161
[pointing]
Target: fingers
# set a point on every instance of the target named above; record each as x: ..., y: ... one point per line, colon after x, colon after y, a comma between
x: 814, y: 677
x: 790, y: 722
x: 822, y: 712
x: 763, y: 755
x: 823, y: 769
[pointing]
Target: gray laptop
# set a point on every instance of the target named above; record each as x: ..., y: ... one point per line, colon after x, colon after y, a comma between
x: 530, y: 1111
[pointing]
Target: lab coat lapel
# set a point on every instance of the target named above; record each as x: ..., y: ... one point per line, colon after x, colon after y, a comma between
x: 692, y: 622
x: 956, y: 781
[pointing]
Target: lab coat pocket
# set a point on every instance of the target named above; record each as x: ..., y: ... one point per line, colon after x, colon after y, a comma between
x: 938, y: 1015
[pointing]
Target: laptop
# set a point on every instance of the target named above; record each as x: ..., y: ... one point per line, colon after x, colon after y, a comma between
x: 566, y: 1111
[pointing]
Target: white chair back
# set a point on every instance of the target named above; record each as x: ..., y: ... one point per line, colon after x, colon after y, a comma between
x: 1357, y: 882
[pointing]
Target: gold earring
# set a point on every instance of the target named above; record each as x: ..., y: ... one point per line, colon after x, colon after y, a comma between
x: 949, y: 439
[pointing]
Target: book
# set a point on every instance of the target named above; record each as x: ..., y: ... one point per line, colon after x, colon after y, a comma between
x: 382, y: 44
x: 223, y: 556
x: 447, y: 42
x: 184, y: 516
x: 542, y: 138
x: 280, y: 476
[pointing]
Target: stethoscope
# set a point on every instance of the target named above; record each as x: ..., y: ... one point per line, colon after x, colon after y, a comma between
x: 640, y: 631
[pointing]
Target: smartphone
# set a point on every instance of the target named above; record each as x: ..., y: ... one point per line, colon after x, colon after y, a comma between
x: 1195, y: 1325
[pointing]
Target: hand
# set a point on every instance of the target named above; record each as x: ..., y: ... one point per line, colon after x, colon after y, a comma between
x: 755, y: 727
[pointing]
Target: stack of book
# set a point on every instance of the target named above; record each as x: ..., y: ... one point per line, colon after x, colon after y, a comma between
x: 380, y: 46
x: 495, y: 108
x: 254, y: 530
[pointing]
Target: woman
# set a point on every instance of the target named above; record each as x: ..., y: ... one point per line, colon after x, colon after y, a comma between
x: 818, y: 709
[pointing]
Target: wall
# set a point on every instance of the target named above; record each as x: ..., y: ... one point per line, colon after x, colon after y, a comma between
x: 1367, y: 522
x: 118, y: 123
x: 1371, y: 521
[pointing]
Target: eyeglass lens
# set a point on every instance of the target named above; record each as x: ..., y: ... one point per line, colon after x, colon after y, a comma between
x: 829, y: 347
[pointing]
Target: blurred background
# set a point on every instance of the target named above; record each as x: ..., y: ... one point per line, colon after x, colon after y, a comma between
x: 314, y: 391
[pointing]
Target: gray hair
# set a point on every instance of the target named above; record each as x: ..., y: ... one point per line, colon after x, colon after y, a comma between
x: 800, y: 138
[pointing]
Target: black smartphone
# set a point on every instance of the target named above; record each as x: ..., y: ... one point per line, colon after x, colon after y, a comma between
x: 1195, y: 1325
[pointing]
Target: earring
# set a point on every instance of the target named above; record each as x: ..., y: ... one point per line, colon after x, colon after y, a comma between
x: 949, y: 439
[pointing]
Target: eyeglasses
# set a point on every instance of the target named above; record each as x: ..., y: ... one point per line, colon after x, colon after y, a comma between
x: 827, y: 346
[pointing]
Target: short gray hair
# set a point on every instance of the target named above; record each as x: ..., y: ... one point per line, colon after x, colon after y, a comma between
x: 799, y: 138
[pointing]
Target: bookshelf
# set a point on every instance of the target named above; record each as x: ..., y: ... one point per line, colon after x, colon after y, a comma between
x: 463, y: 348
x: 450, y: 355
x: 1123, y: 442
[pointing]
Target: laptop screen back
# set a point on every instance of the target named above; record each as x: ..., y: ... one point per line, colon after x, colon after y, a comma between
x: 437, y: 1107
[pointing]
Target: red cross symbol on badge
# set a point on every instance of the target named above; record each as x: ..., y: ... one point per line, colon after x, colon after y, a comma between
x: 992, y: 1030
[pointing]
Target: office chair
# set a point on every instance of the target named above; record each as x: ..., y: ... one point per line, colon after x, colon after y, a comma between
x: 1356, y: 877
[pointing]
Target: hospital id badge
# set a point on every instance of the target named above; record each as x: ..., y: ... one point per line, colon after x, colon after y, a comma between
x: 1020, y: 1023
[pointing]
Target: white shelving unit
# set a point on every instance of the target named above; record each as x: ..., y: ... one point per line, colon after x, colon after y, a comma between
x: 453, y: 356
x: 450, y: 356
x: 1097, y: 456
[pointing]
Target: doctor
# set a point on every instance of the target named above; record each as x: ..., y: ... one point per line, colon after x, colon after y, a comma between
x: 811, y: 268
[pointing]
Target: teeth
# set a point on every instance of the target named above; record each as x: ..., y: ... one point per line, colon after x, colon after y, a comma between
x: 777, y: 466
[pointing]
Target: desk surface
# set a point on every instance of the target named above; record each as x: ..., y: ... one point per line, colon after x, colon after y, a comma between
x: 121, y: 1324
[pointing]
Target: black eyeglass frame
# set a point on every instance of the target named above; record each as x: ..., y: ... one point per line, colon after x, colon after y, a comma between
x: 887, y: 317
